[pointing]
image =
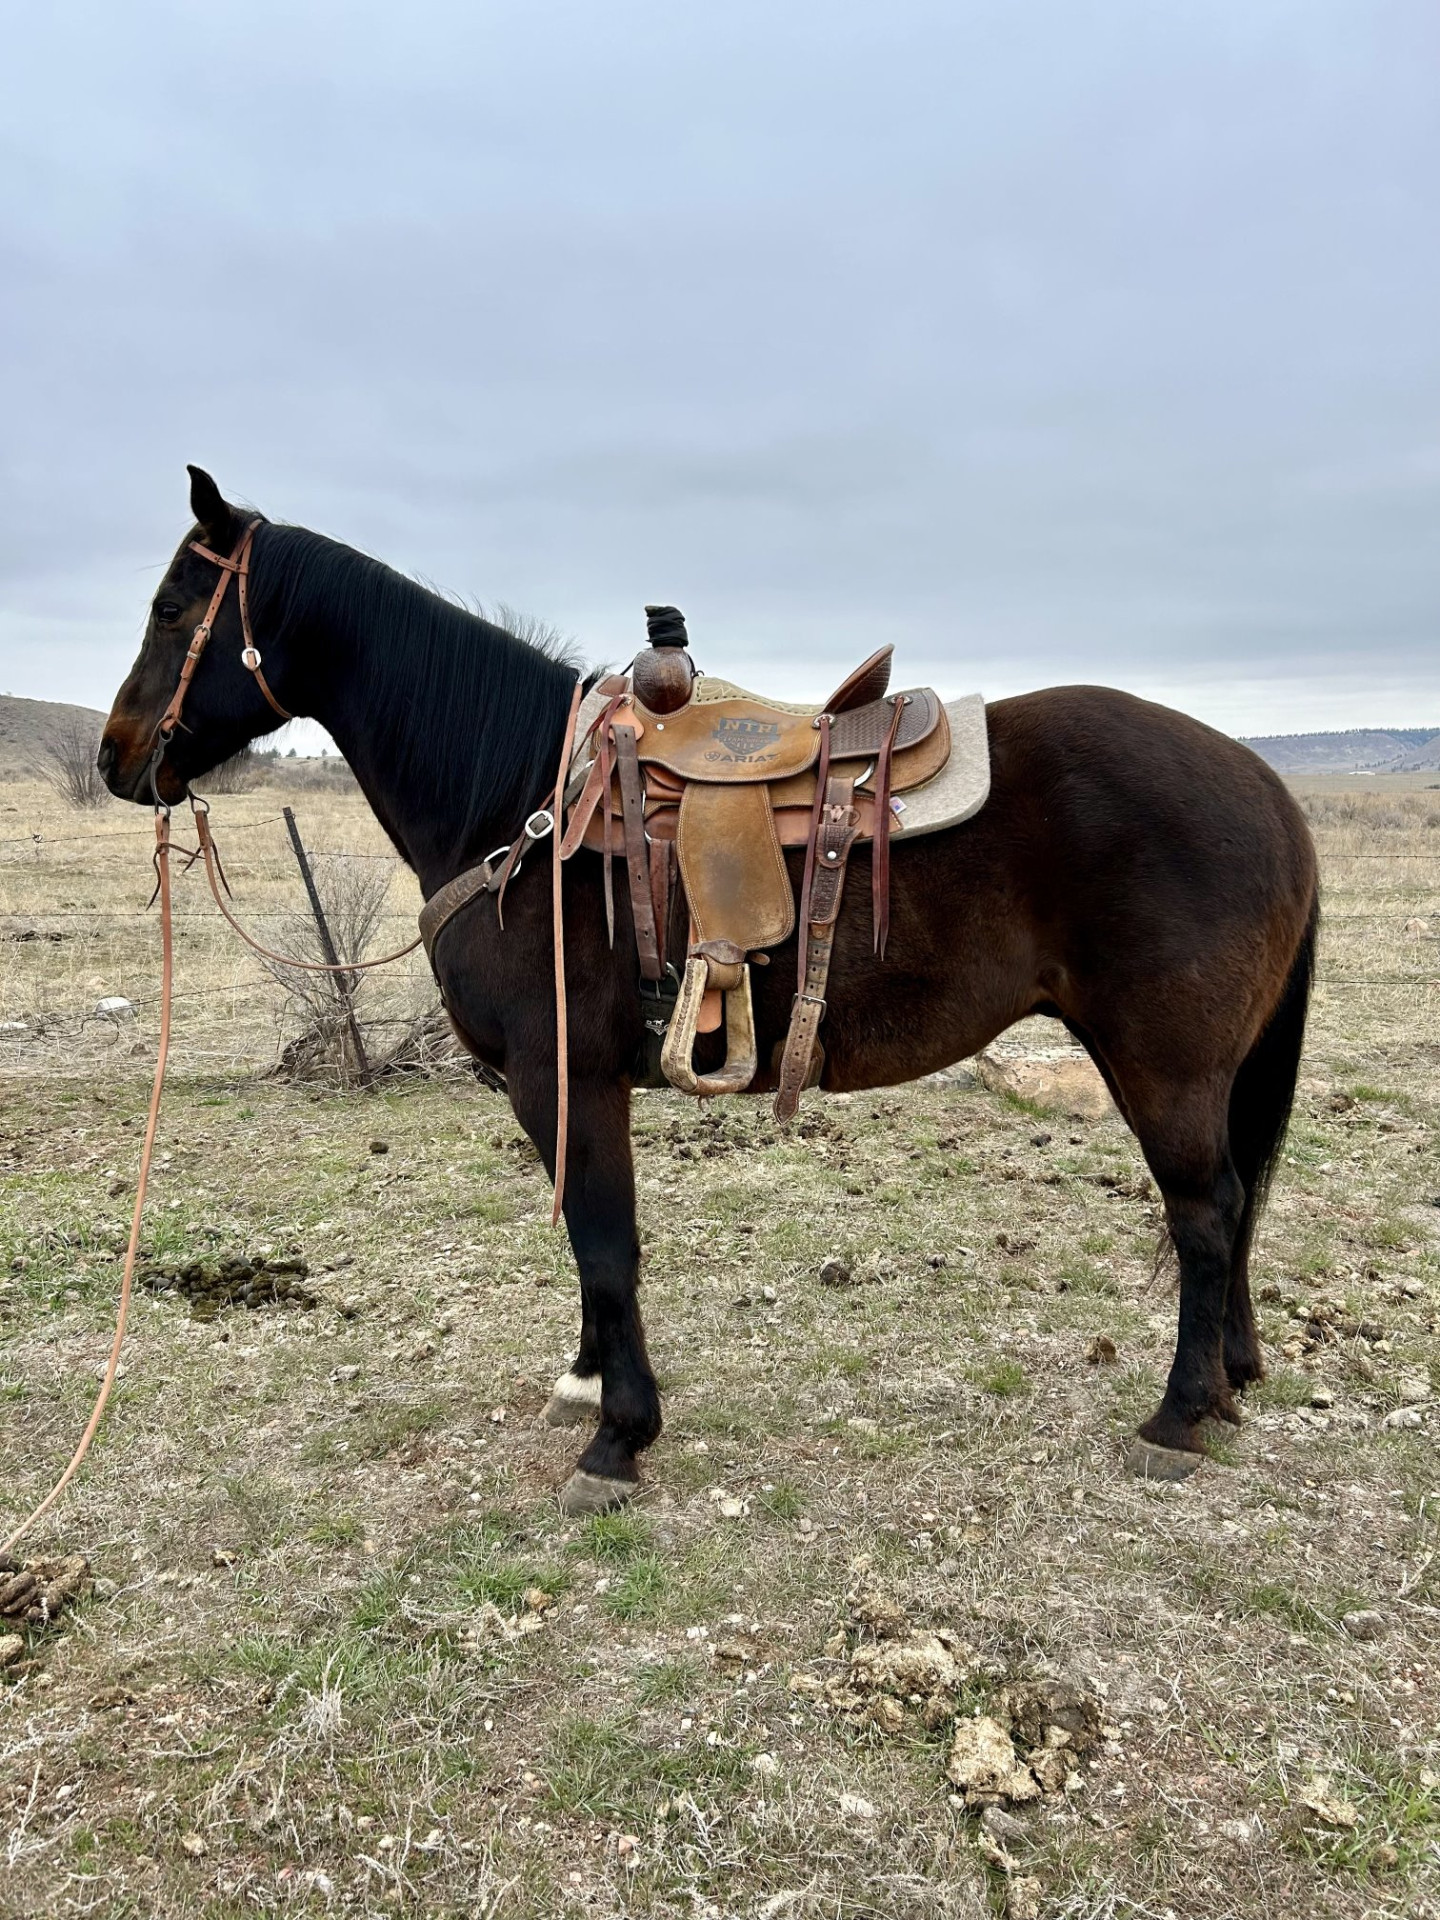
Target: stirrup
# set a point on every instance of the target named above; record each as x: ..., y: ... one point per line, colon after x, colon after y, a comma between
x: 741, y: 1062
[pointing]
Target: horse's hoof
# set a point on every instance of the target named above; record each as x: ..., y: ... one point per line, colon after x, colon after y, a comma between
x: 574, y: 1399
x: 1150, y: 1462
x: 594, y: 1493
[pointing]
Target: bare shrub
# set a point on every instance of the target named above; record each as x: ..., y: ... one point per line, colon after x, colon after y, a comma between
x: 353, y: 890
x: 68, y: 746
x: 428, y: 1048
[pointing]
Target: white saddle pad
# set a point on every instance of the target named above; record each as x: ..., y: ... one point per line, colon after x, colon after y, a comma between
x: 962, y: 785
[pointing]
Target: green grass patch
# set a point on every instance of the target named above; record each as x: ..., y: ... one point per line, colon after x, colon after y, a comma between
x: 336, y: 1530
x: 641, y: 1590
x: 1284, y: 1388
x: 1396, y: 1835
x: 603, y: 1770
x: 384, y: 1429
x: 256, y: 1511
x: 1274, y: 1599
x: 662, y: 1683
x: 782, y: 1501
x: 618, y: 1537
x: 1005, y: 1379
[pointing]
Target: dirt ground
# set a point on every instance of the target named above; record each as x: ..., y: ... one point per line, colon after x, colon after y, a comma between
x: 342, y: 1654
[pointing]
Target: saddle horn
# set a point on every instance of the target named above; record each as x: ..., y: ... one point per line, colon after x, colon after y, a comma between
x: 663, y: 675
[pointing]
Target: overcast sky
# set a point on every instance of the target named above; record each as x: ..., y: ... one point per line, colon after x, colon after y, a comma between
x: 1050, y: 339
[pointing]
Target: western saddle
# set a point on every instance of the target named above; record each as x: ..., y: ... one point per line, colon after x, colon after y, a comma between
x: 698, y: 787
x: 694, y: 781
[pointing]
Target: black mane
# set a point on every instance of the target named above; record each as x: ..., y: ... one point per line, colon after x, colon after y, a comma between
x: 453, y: 703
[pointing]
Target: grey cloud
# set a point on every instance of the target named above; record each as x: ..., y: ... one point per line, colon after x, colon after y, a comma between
x: 1067, y: 341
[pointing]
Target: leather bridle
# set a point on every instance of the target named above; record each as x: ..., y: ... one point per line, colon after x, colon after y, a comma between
x: 237, y: 567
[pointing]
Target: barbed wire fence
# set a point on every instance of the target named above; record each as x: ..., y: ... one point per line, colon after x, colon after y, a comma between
x: 79, y: 954
x: 1380, y: 949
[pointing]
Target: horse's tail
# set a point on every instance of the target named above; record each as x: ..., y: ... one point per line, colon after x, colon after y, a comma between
x: 1264, y: 1089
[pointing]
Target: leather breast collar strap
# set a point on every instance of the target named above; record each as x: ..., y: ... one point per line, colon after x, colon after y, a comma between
x: 237, y: 565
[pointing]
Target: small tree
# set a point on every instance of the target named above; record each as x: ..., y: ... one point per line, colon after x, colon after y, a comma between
x: 68, y: 746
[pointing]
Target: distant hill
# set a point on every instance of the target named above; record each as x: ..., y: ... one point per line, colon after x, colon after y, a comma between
x: 1358, y: 750
x: 23, y: 725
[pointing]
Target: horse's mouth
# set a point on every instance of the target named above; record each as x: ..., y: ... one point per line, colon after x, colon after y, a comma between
x: 124, y: 766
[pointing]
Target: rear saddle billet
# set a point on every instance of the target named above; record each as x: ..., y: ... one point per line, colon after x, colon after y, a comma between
x: 693, y: 782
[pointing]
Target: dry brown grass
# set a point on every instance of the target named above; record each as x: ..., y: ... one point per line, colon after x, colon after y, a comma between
x: 73, y: 929
x: 298, y: 1684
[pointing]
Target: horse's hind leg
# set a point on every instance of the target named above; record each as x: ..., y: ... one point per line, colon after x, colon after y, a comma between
x: 1183, y: 1133
x: 1260, y: 1104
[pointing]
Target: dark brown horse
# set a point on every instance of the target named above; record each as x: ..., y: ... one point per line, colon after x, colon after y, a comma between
x: 1145, y: 880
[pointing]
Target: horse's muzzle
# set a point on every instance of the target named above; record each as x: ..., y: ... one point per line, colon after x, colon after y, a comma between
x: 124, y: 766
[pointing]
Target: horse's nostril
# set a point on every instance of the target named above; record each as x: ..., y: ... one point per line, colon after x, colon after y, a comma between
x: 107, y: 756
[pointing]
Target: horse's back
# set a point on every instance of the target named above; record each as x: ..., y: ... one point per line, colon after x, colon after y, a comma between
x: 1131, y: 787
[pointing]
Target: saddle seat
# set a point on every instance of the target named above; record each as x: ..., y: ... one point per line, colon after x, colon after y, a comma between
x: 686, y: 777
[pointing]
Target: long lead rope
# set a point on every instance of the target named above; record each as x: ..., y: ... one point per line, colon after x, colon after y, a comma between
x: 167, y: 974
x: 216, y: 875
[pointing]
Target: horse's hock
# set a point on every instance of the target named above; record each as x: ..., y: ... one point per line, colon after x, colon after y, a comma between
x: 1067, y: 1083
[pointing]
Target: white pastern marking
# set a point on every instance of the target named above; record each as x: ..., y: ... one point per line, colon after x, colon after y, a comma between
x: 576, y: 1386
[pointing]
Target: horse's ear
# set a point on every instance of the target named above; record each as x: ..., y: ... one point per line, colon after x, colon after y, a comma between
x: 214, y: 518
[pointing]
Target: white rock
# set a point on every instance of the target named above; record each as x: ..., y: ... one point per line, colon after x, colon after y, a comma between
x: 854, y: 1806
x: 1366, y: 1623
x: 114, y: 1007
x: 1403, y: 1417
x: 1328, y: 1806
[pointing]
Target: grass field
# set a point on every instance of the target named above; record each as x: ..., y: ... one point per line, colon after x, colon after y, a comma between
x: 343, y: 1655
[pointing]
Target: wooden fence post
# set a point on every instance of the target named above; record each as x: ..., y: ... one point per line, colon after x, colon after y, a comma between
x: 344, y: 982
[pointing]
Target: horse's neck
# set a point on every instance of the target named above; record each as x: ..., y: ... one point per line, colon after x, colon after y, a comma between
x: 397, y: 759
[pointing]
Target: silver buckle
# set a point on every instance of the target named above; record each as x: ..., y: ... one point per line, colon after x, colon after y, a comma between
x: 532, y: 832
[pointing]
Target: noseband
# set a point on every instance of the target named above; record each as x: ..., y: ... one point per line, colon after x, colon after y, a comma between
x: 238, y: 565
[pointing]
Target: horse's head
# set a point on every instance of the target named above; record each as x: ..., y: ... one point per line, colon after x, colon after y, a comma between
x: 226, y: 701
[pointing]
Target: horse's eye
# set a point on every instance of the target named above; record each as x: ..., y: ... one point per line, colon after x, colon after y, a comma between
x: 166, y: 612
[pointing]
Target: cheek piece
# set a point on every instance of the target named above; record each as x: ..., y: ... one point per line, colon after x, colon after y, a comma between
x: 236, y: 565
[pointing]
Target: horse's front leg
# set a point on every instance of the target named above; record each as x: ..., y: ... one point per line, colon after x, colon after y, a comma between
x: 611, y: 1376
